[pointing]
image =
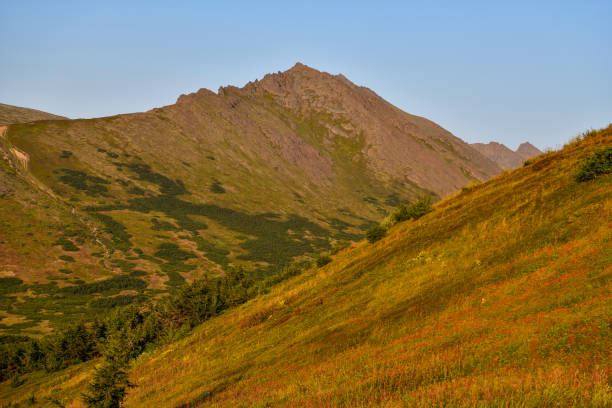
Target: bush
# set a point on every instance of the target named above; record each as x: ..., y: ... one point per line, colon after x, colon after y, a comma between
x: 412, y: 211
x: 66, y: 245
x: 11, y: 285
x: 120, y: 236
x: 598, y: 163
x: 91, y: 185
x: 216, y: 187
x: 116, y: 283
x: 172, y: 253
x: 323, y: 260
x: 110, y: 302
x: 376, y: 233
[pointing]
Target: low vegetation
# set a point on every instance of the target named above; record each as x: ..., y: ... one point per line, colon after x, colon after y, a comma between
x: 597, y: 164
x: 404, y: 212
x: 375, y: 233
x: 127, y: 332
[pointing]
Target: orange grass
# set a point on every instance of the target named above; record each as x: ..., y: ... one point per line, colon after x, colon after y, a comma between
x: 499, y: 297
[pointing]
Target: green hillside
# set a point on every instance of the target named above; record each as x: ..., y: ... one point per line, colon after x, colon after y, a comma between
x: 499, y: 297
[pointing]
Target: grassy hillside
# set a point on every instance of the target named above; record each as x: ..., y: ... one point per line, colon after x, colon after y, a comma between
x: 258, y: 177
x: 499, y: 297
x: 15, y: 114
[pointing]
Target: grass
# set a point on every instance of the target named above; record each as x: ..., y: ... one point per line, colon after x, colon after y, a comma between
x: 499, y: 297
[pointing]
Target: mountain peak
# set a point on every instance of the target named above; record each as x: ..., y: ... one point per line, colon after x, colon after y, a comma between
x: 527, y: 150
x: 301, y: 67
x: 505, y: 157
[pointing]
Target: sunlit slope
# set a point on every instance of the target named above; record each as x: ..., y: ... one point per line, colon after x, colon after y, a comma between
x: 16, y: 114
x: 502, y: 293
x: 499, y: 297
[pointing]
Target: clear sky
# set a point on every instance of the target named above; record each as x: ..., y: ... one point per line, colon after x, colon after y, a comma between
x: 491, y: 70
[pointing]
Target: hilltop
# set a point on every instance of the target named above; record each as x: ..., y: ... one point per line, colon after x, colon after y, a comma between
x: 504, y: 157
x: 500, y: 296
x: 15, y: 114
x: 286, y: 167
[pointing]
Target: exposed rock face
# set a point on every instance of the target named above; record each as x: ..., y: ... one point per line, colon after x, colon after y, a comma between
x: 504, y: 157
x: 14, y: 114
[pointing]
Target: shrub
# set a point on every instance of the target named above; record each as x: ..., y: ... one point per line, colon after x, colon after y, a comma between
x: 166, y: 185
x: 110, y: 302
x: 91, y: 185
x: 136, y: 191
x: 16, y: 381
x: 172, y: 253
x: 115, y: 283
x: 66, y: 245
x: 323, y: 260
x: 413, y: 211
x: 420, y: 208
x: 120, y: 236
x: 376, y: 233
x: 598, y: 163
x: 217, y: 188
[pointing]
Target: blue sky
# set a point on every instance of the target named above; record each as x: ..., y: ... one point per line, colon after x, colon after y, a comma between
x: 506, y: 71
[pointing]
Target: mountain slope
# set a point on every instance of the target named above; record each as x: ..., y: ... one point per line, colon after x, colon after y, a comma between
x: 504, y: 157
x: 527, y: 151
x: 14, y: 114
x: 499, y: 297
x: 255, y: 177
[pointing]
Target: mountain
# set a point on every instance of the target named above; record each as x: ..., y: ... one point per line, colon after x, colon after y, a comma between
x: 500, y: 296
x: 255, y: 177
x: 527, y: 151
x: 504, y: 157
x: 14, y: 114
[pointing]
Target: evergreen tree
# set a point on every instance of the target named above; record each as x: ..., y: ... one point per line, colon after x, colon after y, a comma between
x: 110, y: 380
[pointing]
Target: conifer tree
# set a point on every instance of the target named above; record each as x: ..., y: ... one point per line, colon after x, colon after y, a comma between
x: 110, y: 380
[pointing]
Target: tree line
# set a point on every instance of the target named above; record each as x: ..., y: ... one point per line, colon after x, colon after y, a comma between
x: 128, y: 331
